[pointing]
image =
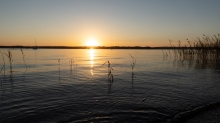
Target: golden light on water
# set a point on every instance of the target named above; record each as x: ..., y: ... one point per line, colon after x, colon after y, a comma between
x: 91, y: 54
x: 91, y: 71
x: 91, y: 57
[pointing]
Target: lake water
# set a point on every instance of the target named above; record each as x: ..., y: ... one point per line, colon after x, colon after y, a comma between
x: 50, y: 90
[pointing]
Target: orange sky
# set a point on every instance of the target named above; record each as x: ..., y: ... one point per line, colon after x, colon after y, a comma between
x: 112, y: 23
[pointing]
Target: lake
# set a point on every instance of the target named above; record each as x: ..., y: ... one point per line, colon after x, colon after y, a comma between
x: 73, y: 86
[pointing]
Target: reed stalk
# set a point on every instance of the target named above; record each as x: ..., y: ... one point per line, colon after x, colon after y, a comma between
x: 110, y: 75
x: 204, y: 50
x: 59, y: 64
x: 24, y: 59
x: 3, y: 66
x: 133, y: 63
x: 59, y: 69
x: 9, y: 55
x: 71, y: 65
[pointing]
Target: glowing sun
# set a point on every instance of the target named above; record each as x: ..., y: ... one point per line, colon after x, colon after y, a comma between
x: 92, y: 42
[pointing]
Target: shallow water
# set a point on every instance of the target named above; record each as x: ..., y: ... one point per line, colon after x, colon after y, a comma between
x: 52, y: 91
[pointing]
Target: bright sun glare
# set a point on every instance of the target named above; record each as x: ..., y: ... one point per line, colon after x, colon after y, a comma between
x: 92, y: 42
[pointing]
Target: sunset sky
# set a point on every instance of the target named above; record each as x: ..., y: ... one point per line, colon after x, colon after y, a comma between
x: 110, y: 22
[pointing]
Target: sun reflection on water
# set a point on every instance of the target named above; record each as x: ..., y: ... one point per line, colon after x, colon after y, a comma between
x: 91, y: 56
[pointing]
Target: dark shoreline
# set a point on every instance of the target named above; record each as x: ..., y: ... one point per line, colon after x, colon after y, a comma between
x: 77, y: 47
x: 95, y: 47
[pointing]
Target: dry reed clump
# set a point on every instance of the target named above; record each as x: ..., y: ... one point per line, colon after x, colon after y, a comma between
x: 203, y: 50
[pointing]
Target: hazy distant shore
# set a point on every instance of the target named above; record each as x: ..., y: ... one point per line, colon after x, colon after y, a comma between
x: 79, y: 47
x: 94, y: 47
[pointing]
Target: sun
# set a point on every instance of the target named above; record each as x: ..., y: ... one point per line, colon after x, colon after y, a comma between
x: 92, y: 42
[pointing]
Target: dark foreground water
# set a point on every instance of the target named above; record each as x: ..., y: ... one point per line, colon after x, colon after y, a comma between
x: 58, y: 91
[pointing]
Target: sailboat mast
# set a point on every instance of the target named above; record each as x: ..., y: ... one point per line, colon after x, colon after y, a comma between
x: 35, y: 42
x: 35, y: 47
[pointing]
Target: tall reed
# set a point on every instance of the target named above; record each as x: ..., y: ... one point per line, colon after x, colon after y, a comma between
x: 71, y: 65
x: 165, y: 55
x: 23, y: 58
x: 9, y: 55
x: 3, y: 66
x: 204, y: 51
x: 59, y: 69
x: 110, y: 75
x: 133, y: 63
x: 59, y: 64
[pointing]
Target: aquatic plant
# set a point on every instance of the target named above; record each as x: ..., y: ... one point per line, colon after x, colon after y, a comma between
x: 71, y: 65
x: 110, y: 75
x: 71, y: 62
x: 23, y: 58
x: 2, y: 94
x: 9, y: 55
x: 203, y: 50
x: 59, y: 64
x: 59, y: 69
x: 133, y: 62
x: 3, y: 66
x: 165, y: 55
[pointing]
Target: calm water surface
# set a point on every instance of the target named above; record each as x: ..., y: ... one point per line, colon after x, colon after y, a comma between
x: 50, y: 90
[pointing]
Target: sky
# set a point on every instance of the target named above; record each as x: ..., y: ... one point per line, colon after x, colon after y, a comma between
x: 110, y: 22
